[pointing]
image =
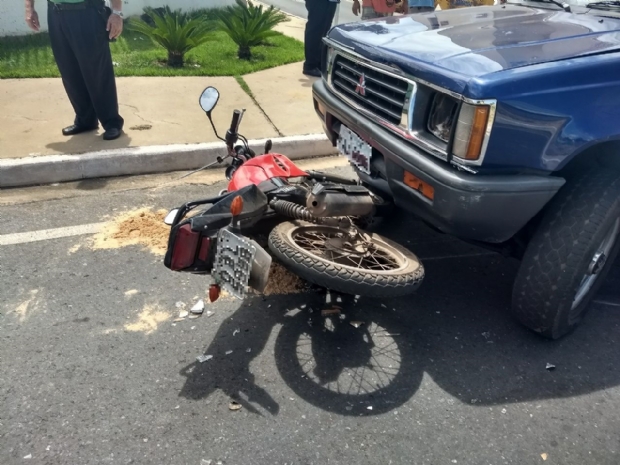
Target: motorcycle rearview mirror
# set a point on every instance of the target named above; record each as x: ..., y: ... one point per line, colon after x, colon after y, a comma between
x: 208, y: 99
x: 169, y: 219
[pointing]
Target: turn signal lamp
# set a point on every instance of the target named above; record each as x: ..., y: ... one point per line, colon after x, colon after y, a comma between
x: 471, y: 131
x: 236, y: 207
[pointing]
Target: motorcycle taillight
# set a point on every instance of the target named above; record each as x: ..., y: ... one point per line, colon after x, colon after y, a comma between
x: 184, y: 251
x: 205, y: 247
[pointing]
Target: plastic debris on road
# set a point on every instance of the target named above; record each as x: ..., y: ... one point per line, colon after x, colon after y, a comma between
x: 204, y: 358
x: 29, y: 456
x: 544, y: 456
x: 248, y: 350
x: 193, y: 316
x: 234, y: 406
x: 369, y: 407
x: 236, y: 331
x: 199, y: 307
x: 550, y: 366
x: 292, y: 312
x: 209, y: 313
x: 183, y: 314
x: 228, y: 352
x: 356, y: 324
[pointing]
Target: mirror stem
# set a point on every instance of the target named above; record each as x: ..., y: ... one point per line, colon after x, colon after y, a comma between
x: 213, y: 126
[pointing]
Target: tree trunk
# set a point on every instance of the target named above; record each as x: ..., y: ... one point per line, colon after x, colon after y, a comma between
x: 244, y: 53
x: 175, y: 59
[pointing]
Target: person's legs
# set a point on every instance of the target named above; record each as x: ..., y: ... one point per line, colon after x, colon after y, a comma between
x: 328, y: 19
x: 72, y: 79
x: 369, y: 12
x: 420, y: 9
x: 86, y: 30
x: 312, y: 37
x: 320, y: 17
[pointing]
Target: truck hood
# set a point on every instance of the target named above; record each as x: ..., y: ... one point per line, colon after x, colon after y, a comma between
x: 450, y: 47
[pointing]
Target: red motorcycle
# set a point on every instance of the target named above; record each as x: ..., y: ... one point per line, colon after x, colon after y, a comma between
x: 316, y: 222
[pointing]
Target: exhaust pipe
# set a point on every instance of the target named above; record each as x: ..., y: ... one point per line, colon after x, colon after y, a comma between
x: 339, y: 201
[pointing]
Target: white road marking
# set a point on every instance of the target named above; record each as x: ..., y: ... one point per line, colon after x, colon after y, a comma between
x: 47, y: 234
x: 606, y: 302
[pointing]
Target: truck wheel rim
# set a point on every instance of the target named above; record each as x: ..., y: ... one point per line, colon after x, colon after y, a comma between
x: 319, y: 242
x: 596, y: 265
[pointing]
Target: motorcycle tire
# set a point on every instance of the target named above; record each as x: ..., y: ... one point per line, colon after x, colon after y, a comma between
x: 385, y: 270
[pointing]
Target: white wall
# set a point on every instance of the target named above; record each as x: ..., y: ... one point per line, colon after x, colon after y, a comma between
x: 12, y: 11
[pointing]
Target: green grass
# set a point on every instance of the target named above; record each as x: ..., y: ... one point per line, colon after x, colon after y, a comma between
x: 31, y: 57
x: 244, y: 86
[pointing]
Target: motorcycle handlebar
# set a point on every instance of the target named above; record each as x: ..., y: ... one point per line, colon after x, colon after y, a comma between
x: 234, y: 124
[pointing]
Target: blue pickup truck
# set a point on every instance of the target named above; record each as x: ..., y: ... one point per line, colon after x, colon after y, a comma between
x: 496, y: 124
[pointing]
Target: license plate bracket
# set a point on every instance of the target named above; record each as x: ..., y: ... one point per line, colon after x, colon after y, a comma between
x: 233, y: 262
x: 354, y: 149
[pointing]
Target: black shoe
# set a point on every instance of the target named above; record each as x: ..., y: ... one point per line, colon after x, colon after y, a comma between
x: 316, y: 72
x: 112, y: 133
x: 75, y: 129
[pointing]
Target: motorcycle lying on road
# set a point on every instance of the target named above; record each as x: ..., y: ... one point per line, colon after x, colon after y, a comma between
x: 316, y: 222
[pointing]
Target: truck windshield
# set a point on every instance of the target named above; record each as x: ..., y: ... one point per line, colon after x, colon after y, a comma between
x: 601, y: 8
x: 565, y: 6
x: 611, y: 6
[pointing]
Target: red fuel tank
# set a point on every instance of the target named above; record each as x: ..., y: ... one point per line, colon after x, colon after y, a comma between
x: 262, y: 168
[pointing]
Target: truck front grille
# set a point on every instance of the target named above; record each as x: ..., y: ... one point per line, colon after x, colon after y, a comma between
x: 379, y: 93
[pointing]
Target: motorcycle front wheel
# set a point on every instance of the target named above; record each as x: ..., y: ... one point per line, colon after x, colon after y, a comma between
x: 327, y: 256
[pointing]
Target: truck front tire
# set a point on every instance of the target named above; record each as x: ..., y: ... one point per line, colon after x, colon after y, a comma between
x: 570, y: 253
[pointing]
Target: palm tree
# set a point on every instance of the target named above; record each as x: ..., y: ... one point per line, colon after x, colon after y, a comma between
x: 248, y: 25
x: 175, y: 31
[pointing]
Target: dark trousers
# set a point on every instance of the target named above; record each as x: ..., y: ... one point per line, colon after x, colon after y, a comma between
x: 81, y: 47
x: 320, y: 17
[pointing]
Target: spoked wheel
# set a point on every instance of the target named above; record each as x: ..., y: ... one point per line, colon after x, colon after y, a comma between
x: 345, y: 261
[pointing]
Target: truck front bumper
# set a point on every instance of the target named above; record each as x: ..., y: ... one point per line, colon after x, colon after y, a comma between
x: 486, y: 208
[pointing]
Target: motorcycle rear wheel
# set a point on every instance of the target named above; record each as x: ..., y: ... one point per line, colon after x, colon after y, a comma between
x: 322, y: 255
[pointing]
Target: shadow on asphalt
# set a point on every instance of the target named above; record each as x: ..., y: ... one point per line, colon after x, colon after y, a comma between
x: 457, y: 330
x: 92, y: 184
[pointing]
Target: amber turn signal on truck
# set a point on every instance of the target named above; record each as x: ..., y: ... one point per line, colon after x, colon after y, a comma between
x: 471, y: 130
x: 422, y: 187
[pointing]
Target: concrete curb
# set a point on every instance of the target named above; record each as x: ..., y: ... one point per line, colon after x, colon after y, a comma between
x: 30, y: 171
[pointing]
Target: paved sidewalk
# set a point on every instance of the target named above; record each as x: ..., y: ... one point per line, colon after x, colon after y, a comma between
x: 159, y: 110
x: 165, y: 128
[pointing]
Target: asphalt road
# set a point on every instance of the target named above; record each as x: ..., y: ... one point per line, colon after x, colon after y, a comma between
x: 298, y: 8
x: 96, y: 371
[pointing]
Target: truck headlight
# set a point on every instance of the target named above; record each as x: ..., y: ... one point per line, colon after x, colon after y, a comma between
x: 442, y: 116
x: 472, y: 131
